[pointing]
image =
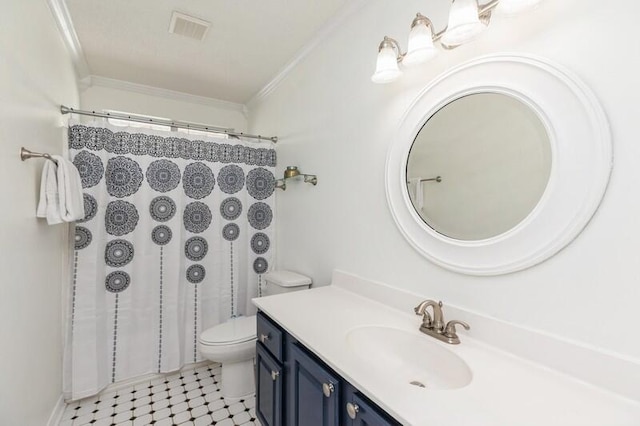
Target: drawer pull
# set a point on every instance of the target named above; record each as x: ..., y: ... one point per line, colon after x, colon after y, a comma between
x: 264, y: 337
x: 274, y: 375
x: 352, y: 410
x: 327, y: 389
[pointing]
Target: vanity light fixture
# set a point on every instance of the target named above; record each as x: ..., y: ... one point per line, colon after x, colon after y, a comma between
x: 420, y: 46
x: 292, y: 172
x: 465, y: 23
x: 467, y: 20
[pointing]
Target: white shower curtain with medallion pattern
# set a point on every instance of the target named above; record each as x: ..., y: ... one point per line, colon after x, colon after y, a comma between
x: 176, y: 238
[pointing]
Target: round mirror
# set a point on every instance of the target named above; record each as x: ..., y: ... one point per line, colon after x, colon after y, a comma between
x: 479, y: 166
x: 523, y: 151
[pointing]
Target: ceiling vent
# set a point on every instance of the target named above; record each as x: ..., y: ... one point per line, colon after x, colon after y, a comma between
x: 188, y: 26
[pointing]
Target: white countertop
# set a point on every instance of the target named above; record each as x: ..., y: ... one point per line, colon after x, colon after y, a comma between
x: 505, y: 390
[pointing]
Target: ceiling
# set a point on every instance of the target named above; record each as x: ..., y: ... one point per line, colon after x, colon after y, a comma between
x: 248, y: 43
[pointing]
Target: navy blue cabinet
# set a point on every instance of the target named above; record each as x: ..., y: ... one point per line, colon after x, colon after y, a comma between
x: 295, y: 388
x: 362, y: 412
x: 269, y: 388
x: 313, y: 391
x: 270, y: 375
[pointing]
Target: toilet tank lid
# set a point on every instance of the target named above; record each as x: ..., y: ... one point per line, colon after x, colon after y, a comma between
x: 287, y: 278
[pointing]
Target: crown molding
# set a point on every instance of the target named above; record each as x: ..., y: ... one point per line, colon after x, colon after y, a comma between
x: 67, y: 31
x: 112, y: 83
x: 64, y: 23
x: 323, y: 33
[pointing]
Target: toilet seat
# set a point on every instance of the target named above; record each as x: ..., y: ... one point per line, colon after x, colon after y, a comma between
x: 234, y: 331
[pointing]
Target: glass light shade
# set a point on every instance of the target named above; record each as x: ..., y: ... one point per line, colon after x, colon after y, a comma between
x: 512, y: 7
x: 421, y: 47
x: 464, y: 23
x: 386, y: 66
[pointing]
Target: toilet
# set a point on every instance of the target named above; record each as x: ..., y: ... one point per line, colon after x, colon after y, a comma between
x: 233, y: 343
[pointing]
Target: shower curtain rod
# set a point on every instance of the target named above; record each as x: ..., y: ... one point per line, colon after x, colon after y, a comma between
x: 175, y: 124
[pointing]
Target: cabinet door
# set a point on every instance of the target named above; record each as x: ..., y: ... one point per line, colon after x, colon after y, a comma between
x: 269, y: 387
x: 359, y: 411
x: 313, y: 392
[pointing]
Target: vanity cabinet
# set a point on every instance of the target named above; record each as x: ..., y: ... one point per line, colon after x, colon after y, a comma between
x: 269, y: 388
x: 313, y: 391
x: 295, y: 388
x: 269, y: 372
x: 362, y: 412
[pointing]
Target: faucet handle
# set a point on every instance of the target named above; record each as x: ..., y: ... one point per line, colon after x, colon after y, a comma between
x: 450, y: 329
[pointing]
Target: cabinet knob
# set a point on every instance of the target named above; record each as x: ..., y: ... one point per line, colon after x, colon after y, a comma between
x: 275, y: 375
x: 264, y: 337
x: 352, y: 410
x: 327, y: 389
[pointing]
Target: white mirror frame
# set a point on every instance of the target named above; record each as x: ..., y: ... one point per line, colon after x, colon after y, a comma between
x: 582, y: 158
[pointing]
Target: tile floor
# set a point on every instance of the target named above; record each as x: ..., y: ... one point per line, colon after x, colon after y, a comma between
x: 190, y: 397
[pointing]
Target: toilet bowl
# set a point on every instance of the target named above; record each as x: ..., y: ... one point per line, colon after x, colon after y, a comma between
x: 233, y: 343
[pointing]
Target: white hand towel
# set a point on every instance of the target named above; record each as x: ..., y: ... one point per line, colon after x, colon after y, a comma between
x: 69, y: 190
x: 416, y: 192
x: 49, y: 205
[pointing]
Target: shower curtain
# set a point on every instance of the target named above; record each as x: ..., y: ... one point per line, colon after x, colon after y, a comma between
x: 176, y: 238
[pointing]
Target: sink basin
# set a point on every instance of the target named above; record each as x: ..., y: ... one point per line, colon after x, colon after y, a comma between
x: 408, y: 358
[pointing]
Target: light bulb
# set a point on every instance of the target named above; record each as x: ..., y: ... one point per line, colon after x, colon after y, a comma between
x: 420, y: 48
x: 464, y: 23
x: 386, y: 66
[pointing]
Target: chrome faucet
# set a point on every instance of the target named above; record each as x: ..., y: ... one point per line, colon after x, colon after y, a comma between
x: 436, y: 327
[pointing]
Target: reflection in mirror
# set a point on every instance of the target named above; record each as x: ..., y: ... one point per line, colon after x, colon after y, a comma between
x: 493, y: 155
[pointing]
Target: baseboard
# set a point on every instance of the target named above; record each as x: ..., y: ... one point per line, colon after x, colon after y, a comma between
x: 147, y: 377
x: 56, y: 414
x: 140, y: 379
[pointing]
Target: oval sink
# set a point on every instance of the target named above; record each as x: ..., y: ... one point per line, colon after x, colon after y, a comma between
x: 408, y: 358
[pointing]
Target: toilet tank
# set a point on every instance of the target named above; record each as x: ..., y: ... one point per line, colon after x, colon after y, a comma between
x: 285, y: 282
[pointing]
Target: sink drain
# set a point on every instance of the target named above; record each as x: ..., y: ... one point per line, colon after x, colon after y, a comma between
x: 417, y: 383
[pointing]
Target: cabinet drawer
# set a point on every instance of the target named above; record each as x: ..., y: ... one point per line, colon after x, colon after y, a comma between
x: 270, y: 335
x: 359, y: 411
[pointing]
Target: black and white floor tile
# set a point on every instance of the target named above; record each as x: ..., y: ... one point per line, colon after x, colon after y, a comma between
x: 191, y: 397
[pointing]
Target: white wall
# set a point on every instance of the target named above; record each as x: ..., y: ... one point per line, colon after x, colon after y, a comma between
x: 335, y: 123
x: 189, y: 108
x: 36, y: 76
